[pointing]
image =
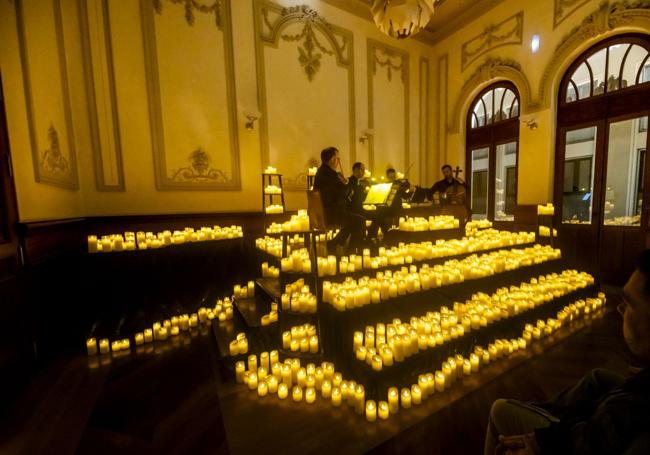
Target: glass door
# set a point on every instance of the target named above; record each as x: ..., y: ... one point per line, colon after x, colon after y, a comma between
x: 505, y: 181
x: 578, y: 182
x: 480, y: 168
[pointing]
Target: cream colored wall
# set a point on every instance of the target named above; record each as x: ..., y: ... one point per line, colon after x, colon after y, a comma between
x: 538, y: 87
x: 40, y: 201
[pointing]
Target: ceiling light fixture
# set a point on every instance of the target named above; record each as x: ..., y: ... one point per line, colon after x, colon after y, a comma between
x: 401, y: 19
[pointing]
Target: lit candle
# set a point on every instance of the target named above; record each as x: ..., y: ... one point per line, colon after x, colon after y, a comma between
x: 467, y: 367
x: 313, y: 344
x: 283, y: 391
x: 382, y: 408
x: 148, y: 335
x: 252, y: 381
x: 336, y: 396
x: 393, y: 400
x: 116, y: 346
x: 264, y: 360
x: 104, y: 347
x: 326, y: 388
x: 296, y: 393
x: 262, y: 389
x: 406, y: 398
x: 371, y: 411
x: 233, y: 347
x: 440, y: 381
x: 416, y: 394
x: 310, y: 395
x: 474, y: 361
x: 359, y: 398
x: 240, y: 368
x: 252, y: 363
x: 139, y: 339
x: 91, y: 345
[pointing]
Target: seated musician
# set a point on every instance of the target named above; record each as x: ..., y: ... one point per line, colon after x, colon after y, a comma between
x: 383, y: 217
x: 391, y: 174
x: 333, y: 188
x: 449, y: 190
x: 357, y: 187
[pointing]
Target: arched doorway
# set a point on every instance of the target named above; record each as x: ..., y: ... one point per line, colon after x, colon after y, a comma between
x: 601, y: 171
x: 492, y: 150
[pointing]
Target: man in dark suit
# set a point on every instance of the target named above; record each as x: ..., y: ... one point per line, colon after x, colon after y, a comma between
x: 333, y: 188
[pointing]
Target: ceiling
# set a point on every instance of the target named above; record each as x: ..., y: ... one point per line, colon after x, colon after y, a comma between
x: 448, y: 16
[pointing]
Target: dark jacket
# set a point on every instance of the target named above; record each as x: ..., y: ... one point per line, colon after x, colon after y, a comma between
x: 332, y: 190
x: 603, y: 418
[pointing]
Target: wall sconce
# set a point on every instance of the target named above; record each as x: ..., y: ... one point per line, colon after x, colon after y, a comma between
x: 251, y: 117
x: 366, y: 134
x: 531, y: 124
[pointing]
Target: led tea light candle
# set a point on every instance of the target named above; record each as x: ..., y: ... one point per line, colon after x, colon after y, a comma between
x: 371, y: 411
x: 416, y: 394
x: 139, y: 339
x: 440, y: 381
x: 296, y: 393
x: 393, y: 400
x: 336, y: 396
x: 104, y: 347
x: 310, y: 395
x: 262, y: 389
x: 382, y: 410
x: 240, y: 368
x: 406, y: 398
x: 252, y: 381
x: 91, y: 346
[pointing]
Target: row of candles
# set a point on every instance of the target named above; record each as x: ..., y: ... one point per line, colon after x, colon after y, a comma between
x: 547, y: 209
x: 161, y: 331
x: 270, y: 271
x: 244, y: 291
x: 385, y: 344
x: 387, y: 285
x: 269, y: 376
x: 301, y: 338
x: 433, y: 223
x: 298, y: 298
x: 274, y: 209
x: 298, y: 222
x: 272, y: 189
x: 239, y: 345
x: 147, y: 240
x: 545, y: 231
x: 299, y: 260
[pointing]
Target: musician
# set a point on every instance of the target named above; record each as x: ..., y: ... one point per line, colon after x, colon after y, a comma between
x: 391, y: 174
x: 451, y: 190
x: 333, y: 187
x: 357, y: 187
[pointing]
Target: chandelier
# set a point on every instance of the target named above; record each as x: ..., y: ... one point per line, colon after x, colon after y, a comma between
x: 401, y: 18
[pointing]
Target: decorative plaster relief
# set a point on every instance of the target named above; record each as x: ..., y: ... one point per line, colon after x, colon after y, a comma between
x: 508, y: 31
x: 192, y: 98
x: 293, y: 129
x: 47, y: 96
x: 564, y: 9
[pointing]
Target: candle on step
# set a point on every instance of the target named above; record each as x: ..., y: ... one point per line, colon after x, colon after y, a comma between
x: 252, y: 381
x: 283, y: 391
x: 371, y: 411
x: 336, y: 396
x: 262, y: 389
x: 393, y: 400
x: 296, y: 393
x: 272, y: 382
x: 406, y: 398
x: 91, y: 346
x: 139, y: 339
x: 310, y: 395
x: 104, y: 347
x: 240, y: 368
x: 382, y: 410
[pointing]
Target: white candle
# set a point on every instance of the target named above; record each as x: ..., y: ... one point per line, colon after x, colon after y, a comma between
x: 91, y: 346
x: 371, y: 411
x: 240, y: 368
x: 296, y: 393
x: 262, y: 389
x: 406, y: 398
x: 393, y: 400
x: 336, y: 396
x: 104, y: 347
x: 283, y: 391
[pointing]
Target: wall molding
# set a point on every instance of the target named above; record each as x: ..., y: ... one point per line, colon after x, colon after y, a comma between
x: 93, y: 108
x: 50, y: 167
x: 443, y: 106
x: 393, y: 59
x: 609, y: 19
x: 508, y: 31
x: 562, y: 9
x: 268, y: 33
x: 492, y: 70
x: 188, y: 178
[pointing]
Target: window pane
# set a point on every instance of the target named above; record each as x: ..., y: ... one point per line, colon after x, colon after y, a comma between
x: 498, y: 96
x: 505, y: 181
x: 487, y: 99
x: 578, y: 176
x: 570, y: 93
x: 616, y: 54
x: 632, y: 64
x: 597, y: 64
x: 479, y: 183
x: 480, y: 114
x: 582, y: 79
x: 515, y: 110
x: 508, y: 98
x: 645, y: 73
x: 625, y: 173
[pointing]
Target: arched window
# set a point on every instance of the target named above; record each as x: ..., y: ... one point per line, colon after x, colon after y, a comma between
x: 600, y: 162
x: 492, y: 149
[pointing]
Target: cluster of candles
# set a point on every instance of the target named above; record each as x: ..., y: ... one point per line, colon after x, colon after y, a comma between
x: 273, y: 246
x: 272, y: 189
x: 298, y: 222
x: 148, y: 240
x: 547, y: 209
x: 244, y: 291
x: 433, y: 223
x: 623, y: 221
x: 545, y: 231
x: 301, y: 338
x: 297, y: 297
x: 270, y: 271
x: 274, y: 209
x: 387, y: 284
x: 161, y: 331
x: 269, y: 376
x: 312, y: 171
x: 239, y: 345
x: 474, y: 226
x: 385, y: 344
x: 271, y: 317
x: 299, y: 261
x: 270, y: 170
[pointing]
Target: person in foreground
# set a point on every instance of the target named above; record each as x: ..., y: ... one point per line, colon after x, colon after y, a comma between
x: 604, y: 413
x: 333, y: 187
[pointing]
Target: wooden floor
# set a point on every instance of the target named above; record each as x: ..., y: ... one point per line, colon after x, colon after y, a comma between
x: 174, y: 400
